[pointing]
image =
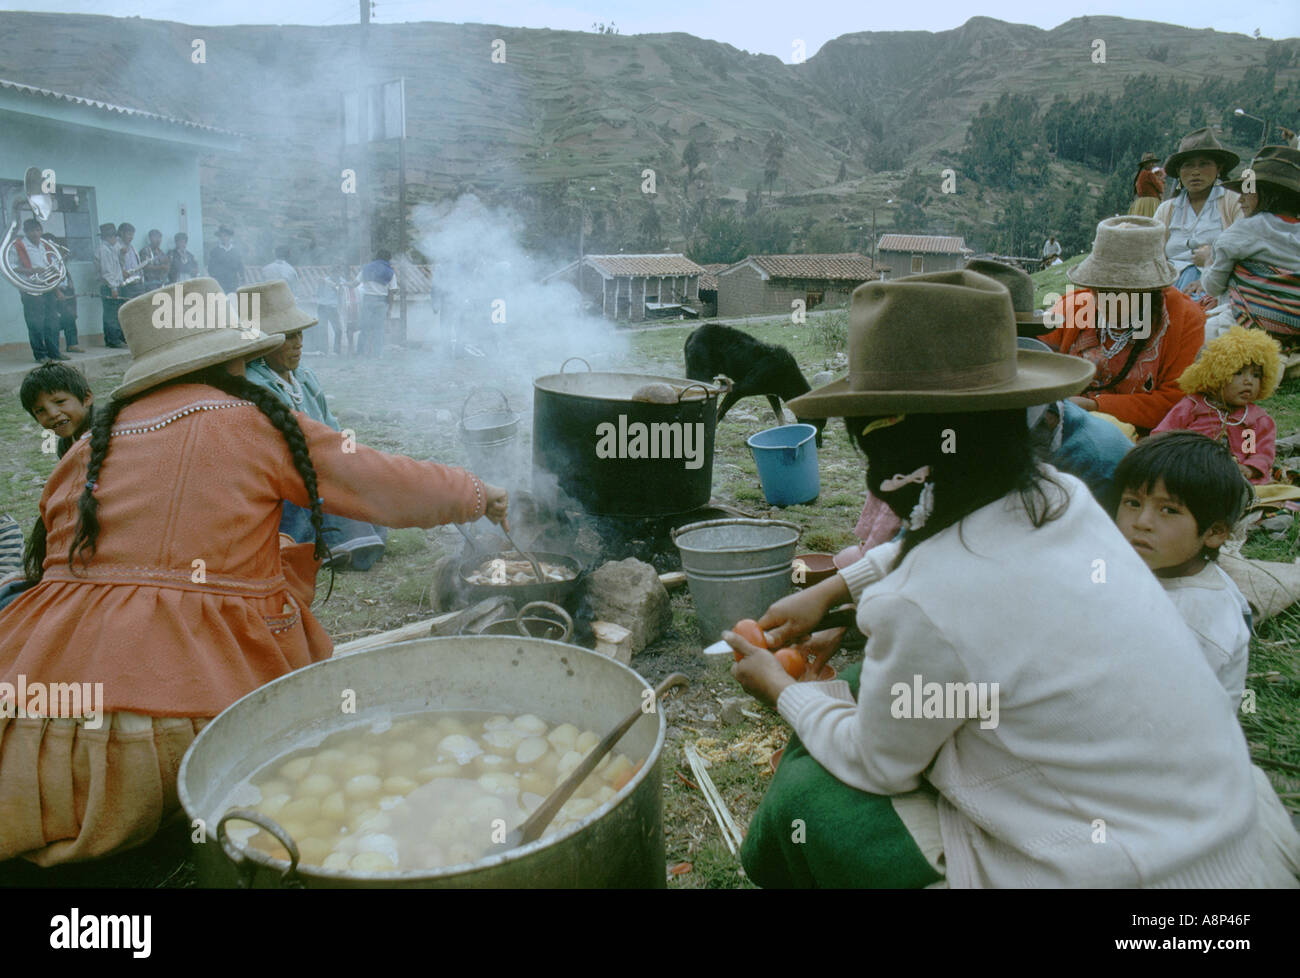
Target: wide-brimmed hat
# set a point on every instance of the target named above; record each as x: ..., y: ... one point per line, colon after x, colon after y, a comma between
x: 1278, y: 165
x: 1029, y: 321
x: 1148, y: 158
x: 937, y: 343
x: 1128, y: 255
x: 273, y: 304
x: 164, y: 347
x: 1201, y: 142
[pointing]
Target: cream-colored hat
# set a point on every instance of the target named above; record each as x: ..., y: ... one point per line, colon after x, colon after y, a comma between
x: 275, y: 307
x: 936, y: 343
x: 1128, y: 255
x: 181, y: 328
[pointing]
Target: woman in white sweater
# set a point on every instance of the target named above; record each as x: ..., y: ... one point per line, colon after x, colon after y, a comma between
x: 1026, y: 678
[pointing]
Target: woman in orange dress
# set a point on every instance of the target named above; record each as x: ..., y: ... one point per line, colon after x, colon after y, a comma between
x: 1148, y: 186
x: 165, y: 582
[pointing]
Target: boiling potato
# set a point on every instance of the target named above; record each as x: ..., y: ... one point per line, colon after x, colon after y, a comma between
x: 586, y: 741
x: 461, y: 748
x: 295, y: 770
x: 334, y: 806
x: 362, y: 786
x: 446, y: 769
x: 275, y: 786
x: 530, y: 750
x: 461, y: 853
x: 360, y: 763
x: 317, y: 785
x: 372, y: 862
x: 490, y: 763
x: 568, y: 762
x: 500, y: 783
x: 536, y: 783
x: 530, y: 725
x: 314, y: 851
x: 564, y: 737
x: 503, y: 741
x: 401, y: 753
x: 301, y: 810
x: 273, y: 805
x: 337, y: 860
x: 496, y: 723
x: 577, y: 808
x: 399, y: 785
x: 618, y: 769
x: 604, y: 795
x: 376, y: 822
x: 329, y: 761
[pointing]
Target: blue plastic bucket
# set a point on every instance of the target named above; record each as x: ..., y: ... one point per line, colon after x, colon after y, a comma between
x: 787, y: 463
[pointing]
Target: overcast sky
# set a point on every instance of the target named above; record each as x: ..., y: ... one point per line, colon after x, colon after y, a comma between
x: 768, y: 26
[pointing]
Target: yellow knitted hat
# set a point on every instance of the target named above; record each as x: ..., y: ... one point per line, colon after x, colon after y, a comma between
x: 1221, y: 358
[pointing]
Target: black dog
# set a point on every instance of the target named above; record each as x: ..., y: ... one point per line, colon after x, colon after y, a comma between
x: 754, y: 367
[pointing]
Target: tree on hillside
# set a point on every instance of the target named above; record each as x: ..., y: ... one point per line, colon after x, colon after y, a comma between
x: 844, y: 172
x: 773, y: 153
x: 650, y: 232
x: 997, y: 138
x: 691, y: 157
x: 718, y: 236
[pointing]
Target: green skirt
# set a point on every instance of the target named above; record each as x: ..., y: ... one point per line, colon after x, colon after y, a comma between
x: 813, y: 830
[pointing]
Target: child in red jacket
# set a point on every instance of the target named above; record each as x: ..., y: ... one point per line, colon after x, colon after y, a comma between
x: 1232, y: 373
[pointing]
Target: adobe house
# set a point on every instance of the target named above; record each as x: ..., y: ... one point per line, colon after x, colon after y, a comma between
x: 769, y: 284
x: 899, y: 255
x: 709, y: 288
x: 633, y: 288
x: 111, y: 163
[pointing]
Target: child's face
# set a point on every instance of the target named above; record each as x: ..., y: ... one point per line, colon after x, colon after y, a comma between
x: 1249, y: 203
x: 61, y: 412
x: 1163, y: 531
x: 1244, y: 387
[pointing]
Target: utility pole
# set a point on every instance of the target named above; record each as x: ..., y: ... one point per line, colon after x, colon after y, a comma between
x: 363, y: 133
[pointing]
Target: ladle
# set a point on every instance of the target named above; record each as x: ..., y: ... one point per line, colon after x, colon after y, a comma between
x: 535, y: 824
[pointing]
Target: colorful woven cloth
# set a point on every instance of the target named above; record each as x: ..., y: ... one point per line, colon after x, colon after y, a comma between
x: 1266, y: 296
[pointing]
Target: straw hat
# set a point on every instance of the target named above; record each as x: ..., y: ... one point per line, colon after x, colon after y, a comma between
x: 1021, y: 286
x: 164, y: 347
x: 1278, y: 165
x: 1201, y: 142
x: 275, y: 307
x: 937, y: 343
x: 1128, y: 255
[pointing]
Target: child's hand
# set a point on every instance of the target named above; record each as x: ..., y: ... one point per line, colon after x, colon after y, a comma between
x: 758, y: 670
x: 498, y: 504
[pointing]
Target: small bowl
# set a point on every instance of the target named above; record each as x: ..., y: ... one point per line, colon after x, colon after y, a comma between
x: 817, y: 567
x: 775, y: 760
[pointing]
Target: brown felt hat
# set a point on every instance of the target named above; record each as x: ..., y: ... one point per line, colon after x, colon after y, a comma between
x: 1029, y: 321
x: 181, y: 328
x: 1278, y: 165
x: 1148, y: 158
x: 273, y: 304
x: 937, y: 343
x: 1201, y: 142
x: 1128, y: 255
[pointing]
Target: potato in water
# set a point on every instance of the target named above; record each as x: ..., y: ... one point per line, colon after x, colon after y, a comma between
x: 432, y: 790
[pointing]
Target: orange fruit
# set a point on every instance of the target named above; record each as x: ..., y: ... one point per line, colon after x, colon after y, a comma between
x: 748, y: 629
x: 793, y: 661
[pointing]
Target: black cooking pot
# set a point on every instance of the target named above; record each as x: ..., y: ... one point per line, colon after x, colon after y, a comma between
x: 620, y: 457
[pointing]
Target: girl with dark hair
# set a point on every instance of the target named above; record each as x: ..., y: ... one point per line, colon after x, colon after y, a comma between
x: 166, y: 584
x: 1028, y: 690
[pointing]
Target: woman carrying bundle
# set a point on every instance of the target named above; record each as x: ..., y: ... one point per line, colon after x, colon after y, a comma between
x: 164, y: 577
x: 1088, y: 745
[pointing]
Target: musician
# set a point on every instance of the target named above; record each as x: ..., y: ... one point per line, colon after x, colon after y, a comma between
x: 41, y: 312
x: 110, y: 287
x: 154, y: 262
x: 130, y: 258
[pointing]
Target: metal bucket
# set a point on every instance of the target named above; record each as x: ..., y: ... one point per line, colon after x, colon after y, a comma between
x: 620, y: 844
x: 735, y: 568
x: 490, y: 438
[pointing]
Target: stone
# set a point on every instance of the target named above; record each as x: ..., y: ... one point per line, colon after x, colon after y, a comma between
x: 1280, y: 522
x: 822, y: 378
x: 732, y: 709
x: 628, y: 593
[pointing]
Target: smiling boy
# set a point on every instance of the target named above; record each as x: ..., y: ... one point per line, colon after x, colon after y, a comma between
x: 59, y: 399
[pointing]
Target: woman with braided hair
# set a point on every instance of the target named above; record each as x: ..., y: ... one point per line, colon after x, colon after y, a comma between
x: 167, y: 592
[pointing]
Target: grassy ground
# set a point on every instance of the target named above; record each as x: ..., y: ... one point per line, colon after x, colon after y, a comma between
x: 411, y: 405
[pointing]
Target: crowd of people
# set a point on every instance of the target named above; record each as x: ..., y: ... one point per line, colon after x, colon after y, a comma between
x: 1049, y: 493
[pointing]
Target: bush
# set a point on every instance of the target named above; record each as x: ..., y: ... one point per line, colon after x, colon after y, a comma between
x: 831, y: 333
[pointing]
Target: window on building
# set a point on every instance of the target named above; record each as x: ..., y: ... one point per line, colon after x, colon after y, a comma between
x: 812, y: 300
x: 73, y: 222
x: 918, y: 264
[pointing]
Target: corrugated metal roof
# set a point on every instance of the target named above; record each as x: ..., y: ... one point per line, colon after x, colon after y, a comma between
x: 847, y: 266
x: 643, y: 265
x: 924, y: 243
x: 110, y: 107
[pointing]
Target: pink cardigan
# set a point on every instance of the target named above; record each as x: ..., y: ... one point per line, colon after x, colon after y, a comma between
x: 1194, y: 413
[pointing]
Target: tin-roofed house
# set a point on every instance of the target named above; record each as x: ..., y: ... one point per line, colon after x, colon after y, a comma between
x: 636, y: 287
x: 770, y: 284
x: 109, y: 163
x: 899, y: 255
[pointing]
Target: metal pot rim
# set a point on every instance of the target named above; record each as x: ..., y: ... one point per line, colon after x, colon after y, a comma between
x: 547, y: 384
x: 269, y: 862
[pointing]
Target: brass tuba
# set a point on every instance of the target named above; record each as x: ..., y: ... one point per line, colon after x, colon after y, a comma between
x: 33, y: 281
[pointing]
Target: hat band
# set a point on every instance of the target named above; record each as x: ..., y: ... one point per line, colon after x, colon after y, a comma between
x: 968, y: 378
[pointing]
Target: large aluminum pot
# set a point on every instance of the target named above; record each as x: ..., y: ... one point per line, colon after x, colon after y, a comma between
x: 620, y: 844
x: 569, y: 412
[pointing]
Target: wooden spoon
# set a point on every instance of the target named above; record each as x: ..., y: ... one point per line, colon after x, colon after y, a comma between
x: 535, y: 824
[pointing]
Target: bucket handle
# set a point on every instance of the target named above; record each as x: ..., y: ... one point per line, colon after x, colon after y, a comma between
x: 289, y: 878
x: 571, y: 359
x: 732, y: 522
x: 475, y: 391
x: 565, y: 620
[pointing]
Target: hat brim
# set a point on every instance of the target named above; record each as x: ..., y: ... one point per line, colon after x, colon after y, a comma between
x: 1225, y: 158
x: 207, y: 349
x: 1084, y: 280
x: 1040, y: 378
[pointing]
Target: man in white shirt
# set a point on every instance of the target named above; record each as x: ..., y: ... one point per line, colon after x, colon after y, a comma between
x: 109, y: 264
x: 41, y: 312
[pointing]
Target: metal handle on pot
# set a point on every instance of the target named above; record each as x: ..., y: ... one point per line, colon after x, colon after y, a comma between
x: 289, y: 878
x: 565, y: 619
x: 732, y: 522
x: 724, y: 383
x: 475, y: 391
x: 571, y: 359
x: 704, y: 387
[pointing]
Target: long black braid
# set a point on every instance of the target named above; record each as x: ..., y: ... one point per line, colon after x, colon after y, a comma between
x: 83, y: 542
